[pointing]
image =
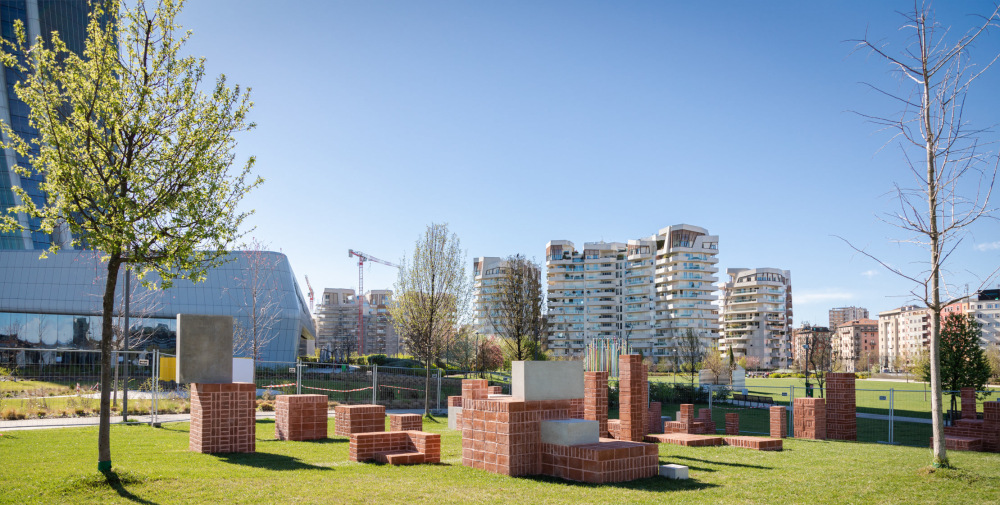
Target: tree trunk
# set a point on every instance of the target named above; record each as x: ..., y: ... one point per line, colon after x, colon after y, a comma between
x: 427, y: 386
x: 107, y: 334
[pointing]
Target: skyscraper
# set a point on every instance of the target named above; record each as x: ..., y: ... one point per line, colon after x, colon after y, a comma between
x: 40, y: 17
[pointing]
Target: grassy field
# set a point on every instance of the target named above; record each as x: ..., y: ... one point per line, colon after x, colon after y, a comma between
x: 154, y: 466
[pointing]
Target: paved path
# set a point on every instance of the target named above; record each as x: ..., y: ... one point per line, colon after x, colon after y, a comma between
x: 76, y: 422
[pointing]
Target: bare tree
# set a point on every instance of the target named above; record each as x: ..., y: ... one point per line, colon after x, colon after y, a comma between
x: 258, y: 295
x: 819, y: 358
x: 514, y: 307
x: 691, y: 352
x: 936, y: 210
x: 431, y: 297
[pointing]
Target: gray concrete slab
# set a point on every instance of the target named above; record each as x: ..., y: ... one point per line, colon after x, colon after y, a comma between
x: 204, y: 349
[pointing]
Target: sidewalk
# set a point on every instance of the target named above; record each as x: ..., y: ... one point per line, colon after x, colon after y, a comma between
x: 77, y: 422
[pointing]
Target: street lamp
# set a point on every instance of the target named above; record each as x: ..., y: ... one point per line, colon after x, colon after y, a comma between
x: 806, y: 363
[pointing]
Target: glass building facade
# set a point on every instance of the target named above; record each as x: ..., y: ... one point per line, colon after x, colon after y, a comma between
x: 55, y: 303
x: 39, y: 17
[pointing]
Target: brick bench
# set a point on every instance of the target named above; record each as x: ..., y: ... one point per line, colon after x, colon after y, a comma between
x: 755, y: 443
x: 956, y: 443
x: 685, y: 439
x: 604, y: 462
x: 687, y: 423
x: 301, y: 417
x: 396, y: 447
x: 353, y: 419
x: 406, y: 422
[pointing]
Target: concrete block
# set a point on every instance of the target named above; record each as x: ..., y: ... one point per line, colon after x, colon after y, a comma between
x: 453, y: 414
x: 546, y: 380
x: 570, y: 432
x: 204, y: 349
x: 674, y: 471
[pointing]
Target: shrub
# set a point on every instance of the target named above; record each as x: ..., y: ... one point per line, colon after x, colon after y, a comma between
x: 265, y: 405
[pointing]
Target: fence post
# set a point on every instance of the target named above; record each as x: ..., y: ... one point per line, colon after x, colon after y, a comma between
x: 375, y: 384
x: 154, y: 403
x: 439, y: 391
x: 709, y: 396
x: 892, y: 408
x: 298, y: 377
x: 791, y: 409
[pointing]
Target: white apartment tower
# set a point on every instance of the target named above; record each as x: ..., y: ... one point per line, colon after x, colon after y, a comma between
x: 648, y: 291
x: 756, y: 316
x: 841, y: 315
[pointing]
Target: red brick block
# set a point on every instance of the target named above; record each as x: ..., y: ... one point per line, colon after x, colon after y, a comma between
x: 353, y: 419
x: 494, y: 390
x: 686, y: 439
x: 969, y: 403
x: 454, y: 401
x: 755, y: 443
x: 841, y: 406
x: 396, y: 447
x: 655, y: 418
x: 406, y: 422
x: 810, y: 418
x: 604, y: 462
x: 595, y: 398
x: 301, y: 417
x: 633, y: 398
x: 732, y: 423
x: 779, y: 422
x: 222, y: 418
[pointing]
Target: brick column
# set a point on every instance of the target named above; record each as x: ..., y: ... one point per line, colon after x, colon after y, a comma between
x: 968, y: 403
x: 595, y: 400
x: 655, y: 418
x: 991, y: 426
x: 474, y: 389
x: 810, y: 418
x: 779, y: 422
x: 301, y: 417
x: 732, y: 423
x: 222, y: 418
x: 841, y: 407
x: 633, y: 398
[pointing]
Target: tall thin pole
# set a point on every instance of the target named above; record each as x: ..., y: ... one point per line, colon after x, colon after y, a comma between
x: 128, y: 295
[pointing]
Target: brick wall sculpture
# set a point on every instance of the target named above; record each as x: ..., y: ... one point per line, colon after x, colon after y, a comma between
x: 353, y: 419
x: 406, y: 422
x: 687, y: 423
x: 841, y: 410
x: 779, y: 422
x: 396, y: 447
x: 595, y: 401
x: 301, y: 417
x: 810, y: 418
x: 655, y: 418
x: 633, y: 398
x: 222, y: 418
x: 732, y: 423
x: 971, y: 433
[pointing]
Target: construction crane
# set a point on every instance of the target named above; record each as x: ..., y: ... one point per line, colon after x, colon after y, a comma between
x: 362, y: 258
x: 310, y: 295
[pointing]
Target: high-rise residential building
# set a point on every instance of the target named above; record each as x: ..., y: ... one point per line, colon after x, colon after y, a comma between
x: 40, y: 18
x: 857, y: 345
x: 984, y: 307
x: 756, y: 316
x: 336, y: 317
x: 841, y: 315
x: 903, y: 333
x: 650, y: 292
x: 488, y: 272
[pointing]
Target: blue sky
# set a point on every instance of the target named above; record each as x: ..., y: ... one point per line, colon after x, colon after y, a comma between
x: 522, y: 122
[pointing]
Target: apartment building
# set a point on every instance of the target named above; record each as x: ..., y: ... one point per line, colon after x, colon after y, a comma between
x: 857, y: 344
x: 488, y: 273
x: 649, y: 291
x: 984, y: 306
x: 903, y: 333
x: 336, y: 319
x: 756, y: 316
x: 817, y: 341
x: 841, y: 315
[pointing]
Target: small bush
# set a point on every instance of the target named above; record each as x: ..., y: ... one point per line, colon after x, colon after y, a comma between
x: 265, y: 405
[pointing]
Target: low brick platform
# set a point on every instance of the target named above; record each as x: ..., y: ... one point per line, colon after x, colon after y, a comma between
x: 301, y: 417
x: 396, y: 447
x: 685, y: 439
x: 956, y: 443
x: 732, y: 423
x: 755, y: 443
x: 604, y: 462
x: 406, y: 422
x: 223, y: 418
x: 353, y: 419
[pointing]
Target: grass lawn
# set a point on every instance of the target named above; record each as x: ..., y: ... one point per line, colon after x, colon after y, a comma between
x: 154, y: 466
x: 36, y: 388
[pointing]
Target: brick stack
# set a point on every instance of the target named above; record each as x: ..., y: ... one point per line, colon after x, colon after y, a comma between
x: 406, y: 422
x: 841, y: 410
x: 970, y: 433
x: 969, y: 403
x: 732, y: 423
x: 600, y: 463
x: 810, y: 418
x: 353, y: 419
x: 633, y: 398
x: 396, y: 447
x: 686, y: 423
x: 222, y: 418
x: 595, y: 400
x: 755, y: 443
x: 494, y: 390
x: 301, y: 417
x: 779, y: 422
x: 655, y: 418
x: 503, y: 435
x: 474, y: 389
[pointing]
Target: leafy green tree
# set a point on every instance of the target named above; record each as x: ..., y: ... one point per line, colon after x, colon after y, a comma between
x: 430, y: 297
x: 963, y: 360
x: 136, y: 155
